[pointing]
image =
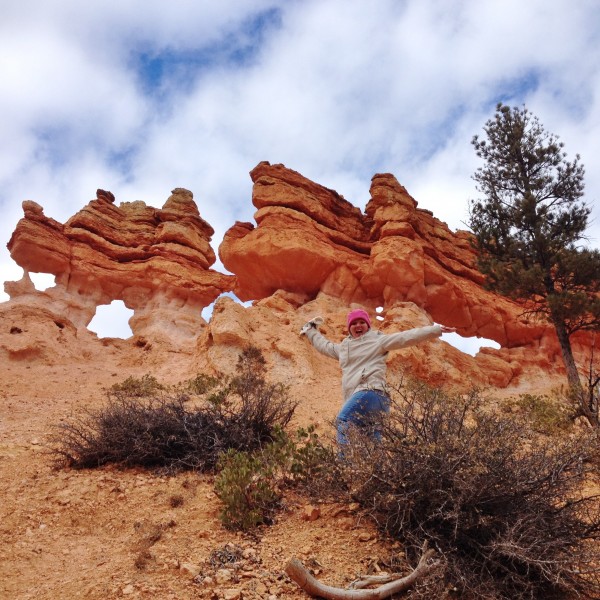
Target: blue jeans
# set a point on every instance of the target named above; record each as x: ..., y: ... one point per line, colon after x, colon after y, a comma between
x: 361, y: 409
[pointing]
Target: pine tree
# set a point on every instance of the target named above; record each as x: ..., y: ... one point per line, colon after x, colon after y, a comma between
x: 530, y: 227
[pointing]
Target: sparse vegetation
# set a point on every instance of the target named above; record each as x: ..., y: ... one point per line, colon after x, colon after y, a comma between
x: 247, y: 487
x: 545, y: 414
x: 507, y: 514
x: 145, y: 424
x: 251, y: 484
x: 133, y: 387
x: 176, y: 500
x: 499, y: 496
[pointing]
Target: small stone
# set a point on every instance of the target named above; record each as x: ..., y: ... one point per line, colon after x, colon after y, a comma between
x: 364, y: 537
x: 204, y: 581
x: 127, y: 590
x: 260, y: 588
x: 190, y: 569
x: 346, y: 523
x: 311, y: 513
x: 232, y: 594
x: 223, y: 576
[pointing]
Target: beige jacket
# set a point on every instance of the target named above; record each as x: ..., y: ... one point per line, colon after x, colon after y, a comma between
x: 363, y: 359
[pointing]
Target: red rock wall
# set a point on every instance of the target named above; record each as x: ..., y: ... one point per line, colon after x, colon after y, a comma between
x: 310, y: 252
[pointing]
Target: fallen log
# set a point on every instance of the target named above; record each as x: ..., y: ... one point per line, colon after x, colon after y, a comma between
x: 298, y: 573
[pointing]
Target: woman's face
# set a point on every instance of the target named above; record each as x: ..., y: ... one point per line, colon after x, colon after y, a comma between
x: 358, y: 327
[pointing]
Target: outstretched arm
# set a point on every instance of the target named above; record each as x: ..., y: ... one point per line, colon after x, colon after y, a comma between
x: 319, y: 341
x: 402, y: 339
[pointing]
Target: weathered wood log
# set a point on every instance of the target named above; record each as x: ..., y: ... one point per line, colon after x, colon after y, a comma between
x: 368, y: 580
x: 298, y: 573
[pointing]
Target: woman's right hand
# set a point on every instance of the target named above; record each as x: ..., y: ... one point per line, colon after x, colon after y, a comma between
x: 310, y: 324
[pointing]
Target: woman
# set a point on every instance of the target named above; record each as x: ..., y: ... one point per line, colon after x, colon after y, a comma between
x: 362, y: 357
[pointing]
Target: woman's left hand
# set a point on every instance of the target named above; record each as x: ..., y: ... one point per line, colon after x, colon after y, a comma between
x: 447, y: 329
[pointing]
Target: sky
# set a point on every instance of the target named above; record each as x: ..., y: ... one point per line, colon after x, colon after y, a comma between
x: 142, y: 96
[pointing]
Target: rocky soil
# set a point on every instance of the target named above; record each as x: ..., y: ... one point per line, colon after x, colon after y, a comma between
x: 111, y: 533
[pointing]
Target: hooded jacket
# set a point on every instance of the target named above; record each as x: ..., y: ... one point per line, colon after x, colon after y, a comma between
x: 363, y: 359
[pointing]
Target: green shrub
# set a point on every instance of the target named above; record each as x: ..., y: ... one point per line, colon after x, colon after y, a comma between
x: 545, y: 414
x: 201, y: 384
x: 313, y: 466
x: 134, y: 387
x: 505, y: 511
x: 251, y: 485
x: 246, y: 485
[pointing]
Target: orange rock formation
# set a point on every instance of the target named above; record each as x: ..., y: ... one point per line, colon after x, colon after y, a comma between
x: 311, y: 252
x: 155, y: 260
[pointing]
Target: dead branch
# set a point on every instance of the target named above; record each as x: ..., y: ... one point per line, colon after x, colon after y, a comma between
x: 298, y: 573
x: 367, y: 580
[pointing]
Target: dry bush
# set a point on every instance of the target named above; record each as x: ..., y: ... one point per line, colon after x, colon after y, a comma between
x: 507, y: 514
x: 160, y: 431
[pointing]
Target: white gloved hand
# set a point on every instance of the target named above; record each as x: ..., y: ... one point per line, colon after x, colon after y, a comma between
x: 312, y: 323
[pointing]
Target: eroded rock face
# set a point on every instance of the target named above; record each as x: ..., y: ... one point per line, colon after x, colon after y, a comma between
x: 310, y: 253
x: 310, y: 240
x: 155, y: 260
x: 305, y: 233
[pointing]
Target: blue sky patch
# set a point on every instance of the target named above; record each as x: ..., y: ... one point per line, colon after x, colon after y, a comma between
x: 161, y: 70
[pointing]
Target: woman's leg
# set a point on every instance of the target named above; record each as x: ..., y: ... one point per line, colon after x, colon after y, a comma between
x: 361, y: 409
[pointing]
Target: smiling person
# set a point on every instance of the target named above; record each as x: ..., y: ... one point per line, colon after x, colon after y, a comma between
x: 362, y: 357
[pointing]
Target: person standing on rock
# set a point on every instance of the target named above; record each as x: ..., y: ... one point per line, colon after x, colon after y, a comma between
x: 362, y: 357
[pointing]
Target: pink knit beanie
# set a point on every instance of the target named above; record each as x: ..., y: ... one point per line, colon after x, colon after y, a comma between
x: 358, y: 313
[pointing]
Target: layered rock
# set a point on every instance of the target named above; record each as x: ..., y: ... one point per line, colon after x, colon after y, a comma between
x: 155, y: 260
x: 310, y: 252
x: 305, y: 233
x: 309, y: 240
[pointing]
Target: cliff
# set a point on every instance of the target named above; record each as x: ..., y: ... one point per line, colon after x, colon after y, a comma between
x: 310, y: 252
x: 112, y: 533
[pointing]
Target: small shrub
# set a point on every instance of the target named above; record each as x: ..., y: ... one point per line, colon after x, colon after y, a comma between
x: 143, y: 559
x: 246, y: 487
x: 546, y: 415
x: 506, y: 511
x: 313, y: 466
x: 202, y: 384
x: 140, y: 427
x: 176, y: 501
x: 154, y: 433
x: 133, y: 387
x: 251, y: 485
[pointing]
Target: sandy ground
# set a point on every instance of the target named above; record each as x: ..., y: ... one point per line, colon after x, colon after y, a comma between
x: 111, y: 533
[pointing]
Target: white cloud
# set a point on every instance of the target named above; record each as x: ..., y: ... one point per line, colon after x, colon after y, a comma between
x: 335, y: 89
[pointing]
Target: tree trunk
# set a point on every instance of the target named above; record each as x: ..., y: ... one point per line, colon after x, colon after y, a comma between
x: 573, y: 374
